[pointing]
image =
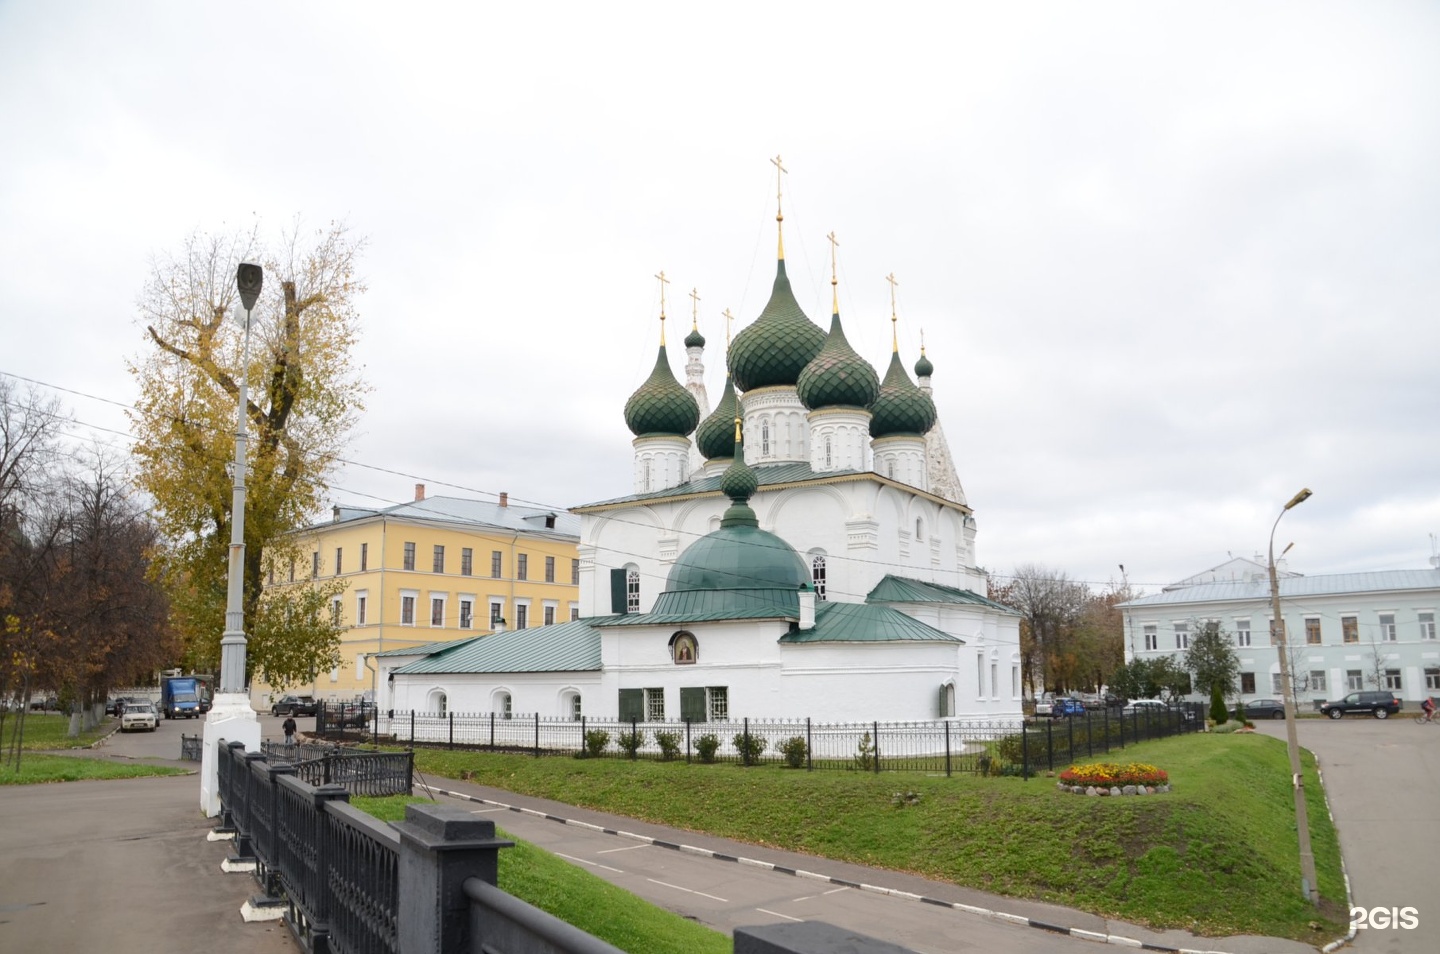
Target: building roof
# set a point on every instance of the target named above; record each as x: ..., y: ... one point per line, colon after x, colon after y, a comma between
x: 901, y: 589
x: 572, y: 646
x: 866, y: 623
x: 1333, y: 584
x: 421, y: 649
x: 485, y: 514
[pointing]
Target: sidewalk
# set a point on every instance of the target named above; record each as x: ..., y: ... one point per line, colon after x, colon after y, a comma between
x: 121, y: 866
x: 1008, y: 923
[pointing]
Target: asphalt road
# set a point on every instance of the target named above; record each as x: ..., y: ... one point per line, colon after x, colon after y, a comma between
x: 1382, y: 779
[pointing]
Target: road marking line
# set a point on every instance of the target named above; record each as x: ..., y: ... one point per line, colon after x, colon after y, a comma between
x: 485, y: 811
x: 836, y: 890
x: 582, y: 861
x: 778, y: 914
x: 611, y: 851
x: 702, y: 894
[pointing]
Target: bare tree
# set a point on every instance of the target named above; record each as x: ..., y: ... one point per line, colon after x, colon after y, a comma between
x: 1050, y: 606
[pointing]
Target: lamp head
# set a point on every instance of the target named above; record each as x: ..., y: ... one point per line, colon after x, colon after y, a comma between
x: 248, y: 280
x: 1299, y: 498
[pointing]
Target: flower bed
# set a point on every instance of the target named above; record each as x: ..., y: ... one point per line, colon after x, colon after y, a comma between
x: 1109, y: 775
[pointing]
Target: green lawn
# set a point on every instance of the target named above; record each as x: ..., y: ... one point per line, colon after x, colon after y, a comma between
x: 579, y: 898
x: 36, y: 769
x: 1217, y: 855
x: 47, y: 730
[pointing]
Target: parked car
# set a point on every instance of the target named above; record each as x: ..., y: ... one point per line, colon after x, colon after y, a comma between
x: 1067, y: 707
x: 1154, y: 708
x: 139, y: 715
x: 1382, y: 705
x: 295, y: 705
x: 1044, y: 706
x: 1264, y: 709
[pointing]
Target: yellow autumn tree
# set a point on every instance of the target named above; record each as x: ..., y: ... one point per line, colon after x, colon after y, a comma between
x: 305, y: 395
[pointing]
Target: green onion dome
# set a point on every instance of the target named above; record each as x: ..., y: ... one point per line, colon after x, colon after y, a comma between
x: 660, y: 405
x: 739, y: 483
x: 775, y: 348
x: 923, y: 367
x: 694, y: 339
x: 715, y: 437
x: 901, y: 408
x: 749, y: 563
x: 838, y: 376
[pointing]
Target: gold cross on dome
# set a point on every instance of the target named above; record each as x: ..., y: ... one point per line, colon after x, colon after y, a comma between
x: 728, y: 318
x: 663, y: 282
x: 894, y: 333
x: 695, y: 308
x: 779, y: 170
x: 834, y: 244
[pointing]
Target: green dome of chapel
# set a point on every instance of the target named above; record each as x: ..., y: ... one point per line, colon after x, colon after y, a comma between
x: 661, y: 405
x: 715, y: 437
x: 838, y: 376
x: 776, y: 347
x: 901, y: 408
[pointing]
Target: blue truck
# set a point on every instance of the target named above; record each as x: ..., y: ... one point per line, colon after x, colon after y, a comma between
x: 181, y: 697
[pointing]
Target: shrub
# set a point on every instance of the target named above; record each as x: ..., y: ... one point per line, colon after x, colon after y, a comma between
x: 1218, y: 714
x: 631, y: 741
x: 1110, y: 774
x: 1010, y: 749
x: 865, y: 753
x: 794, y: 749
x: 706, y: 746
x: 595, y: 742
x: 669, y: 743
x: 749, y: 747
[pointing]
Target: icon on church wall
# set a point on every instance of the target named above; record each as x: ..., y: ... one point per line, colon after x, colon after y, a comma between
x: 683, y: 649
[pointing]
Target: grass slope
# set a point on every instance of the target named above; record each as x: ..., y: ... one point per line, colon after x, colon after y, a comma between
x: 580, y: 898
x: 38, y: 769
x: 1218, y: 855
x: 46, y: 730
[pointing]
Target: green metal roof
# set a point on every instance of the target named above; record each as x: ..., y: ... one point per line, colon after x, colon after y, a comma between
x: 900, y: 589
x: 866, y: 623
x: 766, y: 474
x: 425, y: 649
x: 573, y: 646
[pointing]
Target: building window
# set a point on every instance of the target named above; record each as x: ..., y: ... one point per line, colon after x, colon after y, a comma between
x: 1312, y: 631
x: 1392, y: 680
x: 335, y: 611
x: 1283, y: 631
x: 549, y: 615
x: 438, y: 561
x: 467, y: 612
x: 1350, y: 629
x: 1242, y: 632
x: 467, y: 561
x: 1317, y: 680
x: 522, y: 566
x: 364, y: 557
x: 765, y: 438
x: 359, y: 666
x: 522, y: 615
x: 1432, y: 677
x: 495, y: 568
x: 292, y: 569
x: 574, y: 612
x: 407, y: 610
x: 995, y: 680
x: 409, y: 556
x: 438, y: 703
x: 1182, y: 635
x: 717, y: 703
x: 1152, y: 636
x: 361, y: 602
x: 817, y: 575
x: 632, y: 591
x: 1427, y: 625
x: 979, y: 675
x: 437, y: 611
x: 496, y: 614
x: 339, y: 561
x: 570, y: 706
x: 655, y: 705
x: 549, y: 569
x: 1247, y: 683
x: 574, y: 572
x: 1387, y: 627
x: 1354, y: 680
x: 1015, y: 682
x: 1275, y: 683
x: 315, y: 565
x: 919, y: 530
x: 828, y: 463
x: 504, y: 705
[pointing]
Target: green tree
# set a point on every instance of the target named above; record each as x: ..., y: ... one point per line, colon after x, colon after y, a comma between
x: 305, y: 395
x: 1211, y: 658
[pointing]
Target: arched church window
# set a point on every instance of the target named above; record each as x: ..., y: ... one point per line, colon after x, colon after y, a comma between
x: 827, y: 452
x: 632, y: 591
x: 817, y: 575
x: 764, y: 438
x: 645, y: 475
x: 570, y: 705
x: 919, y: 529
x: 438, y: 702
x: 684, y: 651
x: 504, y: 705
x: 890, y: 469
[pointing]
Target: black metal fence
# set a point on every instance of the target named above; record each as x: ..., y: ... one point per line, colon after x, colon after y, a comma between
x: 192, y: 748
x: 344, y: 719
x: 947, y: 746
x: 360, y: 773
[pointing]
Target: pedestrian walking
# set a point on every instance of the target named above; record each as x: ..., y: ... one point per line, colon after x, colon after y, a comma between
x: 289, y: 727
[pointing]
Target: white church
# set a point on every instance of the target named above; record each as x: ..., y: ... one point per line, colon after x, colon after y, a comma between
x: 803, y: 550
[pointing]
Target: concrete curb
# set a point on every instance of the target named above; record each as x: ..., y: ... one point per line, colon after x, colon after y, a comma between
x: 1339, y: 942
x: 1006, y: 917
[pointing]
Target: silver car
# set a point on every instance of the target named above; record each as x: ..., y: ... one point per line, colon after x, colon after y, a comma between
x: 137, y: 716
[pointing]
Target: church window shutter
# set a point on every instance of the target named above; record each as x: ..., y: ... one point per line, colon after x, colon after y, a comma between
x: 632, y: 705
x: 692, y: 704
x: 944, y: 699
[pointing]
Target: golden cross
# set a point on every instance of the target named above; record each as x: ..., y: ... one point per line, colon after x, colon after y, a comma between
x: 728, y: 318
x: 663, y: 282
x: 779, y: 168
x: 834, y: 244
x: 922, y: 342
x: 894, y: 332
x: 695, y: 308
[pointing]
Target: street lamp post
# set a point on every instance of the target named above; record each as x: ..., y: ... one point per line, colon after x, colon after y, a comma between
x: 232, y: 718
x: 1308, y: 886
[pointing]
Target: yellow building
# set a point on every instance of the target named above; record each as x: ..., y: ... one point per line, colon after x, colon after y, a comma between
x: 433, y: 570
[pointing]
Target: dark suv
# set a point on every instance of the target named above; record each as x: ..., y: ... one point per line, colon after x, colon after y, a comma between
x: 1380, y: 704
x: 295, y: 705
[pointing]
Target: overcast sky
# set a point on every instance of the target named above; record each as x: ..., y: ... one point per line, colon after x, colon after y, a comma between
x: 1172, y: 261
